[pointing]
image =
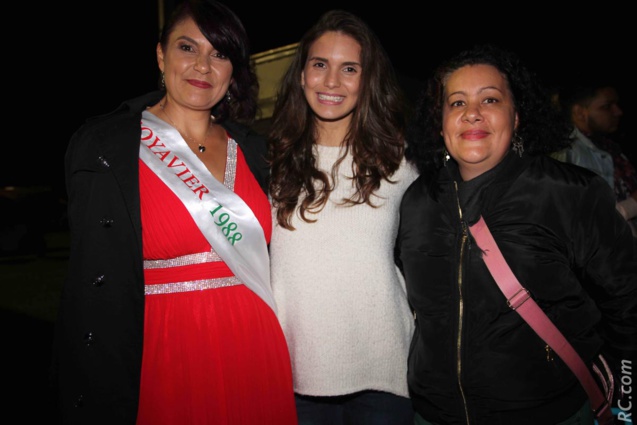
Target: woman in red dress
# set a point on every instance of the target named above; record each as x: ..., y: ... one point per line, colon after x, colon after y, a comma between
x: 182, y: 327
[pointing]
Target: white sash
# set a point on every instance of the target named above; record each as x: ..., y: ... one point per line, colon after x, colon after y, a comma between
x: 223, y: 217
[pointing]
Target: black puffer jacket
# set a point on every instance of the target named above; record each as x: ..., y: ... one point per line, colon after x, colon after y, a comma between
x: 473, y: 360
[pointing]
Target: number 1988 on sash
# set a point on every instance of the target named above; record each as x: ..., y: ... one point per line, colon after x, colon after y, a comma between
x: 228, y: 228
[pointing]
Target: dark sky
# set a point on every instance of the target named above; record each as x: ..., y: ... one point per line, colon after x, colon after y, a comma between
x: 96, y: 54
x: 557, y: 44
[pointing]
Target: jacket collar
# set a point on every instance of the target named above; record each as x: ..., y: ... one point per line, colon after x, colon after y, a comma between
x: 472, y: 194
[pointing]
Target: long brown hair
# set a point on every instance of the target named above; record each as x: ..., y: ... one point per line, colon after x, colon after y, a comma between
x: 375, y: 137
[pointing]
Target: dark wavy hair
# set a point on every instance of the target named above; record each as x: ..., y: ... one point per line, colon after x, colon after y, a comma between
x: 375, y: 137
x: 225, y: 31
x: 540, y: 125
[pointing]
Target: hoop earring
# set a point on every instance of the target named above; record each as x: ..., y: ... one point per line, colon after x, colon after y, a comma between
x: 517, y: 144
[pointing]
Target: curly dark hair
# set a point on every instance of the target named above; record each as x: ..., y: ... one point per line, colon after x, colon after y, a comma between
x: 225, y: 31
x: 540, y: 125
x: 376, y: 134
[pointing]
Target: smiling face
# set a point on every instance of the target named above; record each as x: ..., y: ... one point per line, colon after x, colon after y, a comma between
x: 479, y: 118
x: 197, y: 76
x: 331, y: 77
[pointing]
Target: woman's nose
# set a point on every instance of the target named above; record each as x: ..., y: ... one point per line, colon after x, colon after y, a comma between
x: 202, y: 65
x: 472, y: 114
x: 331, y: 79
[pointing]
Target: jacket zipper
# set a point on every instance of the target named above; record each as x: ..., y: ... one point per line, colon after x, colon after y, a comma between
x: 463, y: 243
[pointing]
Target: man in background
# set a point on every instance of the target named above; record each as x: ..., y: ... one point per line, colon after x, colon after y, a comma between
x: 594, y: 111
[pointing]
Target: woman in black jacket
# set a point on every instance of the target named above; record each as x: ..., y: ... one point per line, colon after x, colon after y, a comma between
x: 167, y: 316
x: 480, y: 139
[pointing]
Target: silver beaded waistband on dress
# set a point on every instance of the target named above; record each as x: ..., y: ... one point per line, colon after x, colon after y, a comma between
x: 193, y: 285
x: 184, y: 260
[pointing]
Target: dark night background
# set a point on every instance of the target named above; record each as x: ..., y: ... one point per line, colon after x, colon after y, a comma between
x: 67, y: 62
x: 95, y: 54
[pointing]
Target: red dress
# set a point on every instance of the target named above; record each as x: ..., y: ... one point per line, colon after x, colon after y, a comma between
x: 214, y: 356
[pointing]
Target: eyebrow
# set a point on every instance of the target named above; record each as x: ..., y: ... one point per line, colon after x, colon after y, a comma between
x: 185, y: 37
x: 479, y: 91
x: 318, y: 58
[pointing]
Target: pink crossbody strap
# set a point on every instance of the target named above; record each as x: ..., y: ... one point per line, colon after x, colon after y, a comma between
x: 519, y: 299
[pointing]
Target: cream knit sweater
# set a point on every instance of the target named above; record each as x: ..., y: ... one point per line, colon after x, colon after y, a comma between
x: 341, y: 300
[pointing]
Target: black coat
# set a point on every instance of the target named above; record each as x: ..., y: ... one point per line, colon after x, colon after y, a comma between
x: 98, y: 343
x: 474, y: 358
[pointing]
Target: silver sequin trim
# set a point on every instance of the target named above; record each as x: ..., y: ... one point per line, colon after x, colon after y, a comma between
x: 184, y: 260
x: 193, y: 285
x: 231, y: 165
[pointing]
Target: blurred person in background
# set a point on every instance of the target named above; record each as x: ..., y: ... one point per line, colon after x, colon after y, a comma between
x: 593, y: 110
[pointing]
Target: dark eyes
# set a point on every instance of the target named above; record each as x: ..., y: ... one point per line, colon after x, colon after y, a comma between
x: 347, y: 69
x: 487, y: 100
x: 191, y: 49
